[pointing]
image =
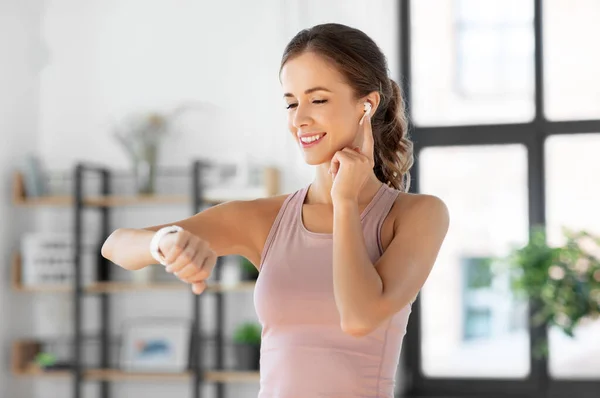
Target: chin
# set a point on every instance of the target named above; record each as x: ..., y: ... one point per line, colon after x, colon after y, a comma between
x: 314, y: 160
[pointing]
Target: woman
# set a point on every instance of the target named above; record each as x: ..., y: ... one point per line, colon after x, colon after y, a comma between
x: 340, y: 260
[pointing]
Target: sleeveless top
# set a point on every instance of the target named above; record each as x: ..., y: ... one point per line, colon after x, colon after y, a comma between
x: 304, y: 352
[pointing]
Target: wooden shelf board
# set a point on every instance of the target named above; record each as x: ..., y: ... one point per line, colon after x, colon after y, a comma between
x: 232, y: 376
x: 119, y: 375
x: 238, y: 287
x: 34, y: 371
x: 109, y: 201
x: 124, y: 287
x: 117, y: 287
x: 212, y: 196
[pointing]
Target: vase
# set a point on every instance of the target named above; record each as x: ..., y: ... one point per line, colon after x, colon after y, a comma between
x: 247, y: 356
x: 145, y: 176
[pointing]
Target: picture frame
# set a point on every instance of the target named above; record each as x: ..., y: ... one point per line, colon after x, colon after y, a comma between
x: 156, y: 345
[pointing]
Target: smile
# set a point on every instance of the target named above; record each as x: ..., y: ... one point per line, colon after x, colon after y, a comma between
x: 308, y: 141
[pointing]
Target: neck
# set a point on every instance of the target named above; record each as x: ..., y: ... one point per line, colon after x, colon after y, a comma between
x: 320, y: 188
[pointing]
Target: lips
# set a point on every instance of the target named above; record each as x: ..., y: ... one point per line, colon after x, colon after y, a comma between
x: 308, y: 140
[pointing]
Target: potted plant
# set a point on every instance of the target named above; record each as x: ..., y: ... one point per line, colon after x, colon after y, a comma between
x: 247, y: 338
x: 248, y: 270
x: 562, y: 283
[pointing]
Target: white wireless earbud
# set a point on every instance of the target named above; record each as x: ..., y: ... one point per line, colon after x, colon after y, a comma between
x: 368, y: 108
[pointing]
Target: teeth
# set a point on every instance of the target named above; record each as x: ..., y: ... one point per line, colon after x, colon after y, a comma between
x: 313, y: 138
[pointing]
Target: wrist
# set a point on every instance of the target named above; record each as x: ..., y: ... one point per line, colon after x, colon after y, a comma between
x: 157, y: 238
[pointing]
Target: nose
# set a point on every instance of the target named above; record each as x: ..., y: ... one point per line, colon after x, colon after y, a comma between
x: 301, y: 117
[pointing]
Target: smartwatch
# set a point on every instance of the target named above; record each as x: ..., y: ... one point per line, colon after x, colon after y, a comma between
x: 154, y: 249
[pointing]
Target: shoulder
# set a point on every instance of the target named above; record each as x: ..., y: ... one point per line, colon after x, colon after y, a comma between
x: 257, y: 216
x: 267, y: 208
x: 256, y: 208
x: 256, y: 213
x: 410, y: 209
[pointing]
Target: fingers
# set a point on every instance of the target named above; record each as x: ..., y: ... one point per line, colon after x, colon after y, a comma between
x: 368, y: 142
x: 199, y: 268
x: 194, y: 245
x: 199, y: 287
x: 334, y: 165
x: 181, y: 241
x: 343, y: 156
x: 354, y: 153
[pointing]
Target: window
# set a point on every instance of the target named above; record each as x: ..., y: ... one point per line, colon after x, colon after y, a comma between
x: 494, y: 50
x: 472, y: 62
x: 468, y: 320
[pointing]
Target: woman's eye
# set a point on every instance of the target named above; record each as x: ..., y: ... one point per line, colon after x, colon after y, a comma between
x: 290, y: 106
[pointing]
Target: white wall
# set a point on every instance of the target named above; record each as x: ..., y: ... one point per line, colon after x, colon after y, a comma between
x: 21, y: 52
x: 100, y: 60
x: 114, y: 57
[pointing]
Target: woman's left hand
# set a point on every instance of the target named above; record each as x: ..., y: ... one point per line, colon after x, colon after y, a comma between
x: 351, y: 167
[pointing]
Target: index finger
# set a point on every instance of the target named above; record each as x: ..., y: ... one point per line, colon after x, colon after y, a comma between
x: 368, y: 142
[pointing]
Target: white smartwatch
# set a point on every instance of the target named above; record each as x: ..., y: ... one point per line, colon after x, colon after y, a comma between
x: 154, y: 249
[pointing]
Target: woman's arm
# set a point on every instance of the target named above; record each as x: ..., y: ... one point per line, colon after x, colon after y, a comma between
x: 366, y: 294
x: 225, y: 229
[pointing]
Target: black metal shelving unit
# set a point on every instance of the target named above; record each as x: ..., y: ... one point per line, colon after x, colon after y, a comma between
x: 199, y: 341
x: 79, y: 206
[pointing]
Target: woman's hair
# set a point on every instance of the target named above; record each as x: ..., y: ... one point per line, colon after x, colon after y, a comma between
x: 364, y: 66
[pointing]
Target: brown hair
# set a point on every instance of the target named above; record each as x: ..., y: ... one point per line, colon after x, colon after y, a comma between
x: 364, y: 66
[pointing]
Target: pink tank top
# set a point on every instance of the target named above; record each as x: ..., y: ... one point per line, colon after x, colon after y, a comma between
x: 304, y: 352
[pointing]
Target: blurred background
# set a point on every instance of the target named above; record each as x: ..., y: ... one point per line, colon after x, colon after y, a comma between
x: 133, y: 113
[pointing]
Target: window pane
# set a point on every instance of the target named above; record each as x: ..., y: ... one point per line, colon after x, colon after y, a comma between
x: 471, y: 325
x: 572, y: 201
x: 571, y: 59
x: 472, y: 61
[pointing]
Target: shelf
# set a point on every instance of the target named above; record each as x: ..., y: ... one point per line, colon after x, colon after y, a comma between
x: 232, y: 376
x: 119, y: 375
x: 119, y: 287
x: 24, y: 351
x: 212, y: 196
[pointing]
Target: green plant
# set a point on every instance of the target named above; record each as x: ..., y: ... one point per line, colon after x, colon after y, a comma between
x: 44, y: 359
x: 248, y: 269
x: 563, y: 283
x: 248, y: 333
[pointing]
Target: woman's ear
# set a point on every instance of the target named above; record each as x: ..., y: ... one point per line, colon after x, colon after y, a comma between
x: 374, y: 99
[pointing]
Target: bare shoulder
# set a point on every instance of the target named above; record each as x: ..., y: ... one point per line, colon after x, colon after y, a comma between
x: 411, y: 209
x: 266, y: 209
x: 259, y: 215
x: 413, y: 214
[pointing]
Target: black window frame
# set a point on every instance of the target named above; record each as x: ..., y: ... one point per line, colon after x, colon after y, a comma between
x: 533, y: 136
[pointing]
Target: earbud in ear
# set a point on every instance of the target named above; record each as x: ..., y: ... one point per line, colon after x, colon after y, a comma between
x: 367, y: 112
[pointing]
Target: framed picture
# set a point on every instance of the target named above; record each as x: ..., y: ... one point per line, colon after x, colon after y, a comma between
x: 160, y: 345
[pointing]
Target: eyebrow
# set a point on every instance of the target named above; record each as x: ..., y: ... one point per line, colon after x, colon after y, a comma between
x: 310, y: 90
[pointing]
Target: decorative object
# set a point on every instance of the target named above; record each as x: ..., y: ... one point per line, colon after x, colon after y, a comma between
x: 563, y: 283
x: 230, y: 272
x: 156, y: 345
x: 47, y: 259
x: 247, y: 339
x: 248, y: 270
x: 34, y: 177
x: 141, y: 136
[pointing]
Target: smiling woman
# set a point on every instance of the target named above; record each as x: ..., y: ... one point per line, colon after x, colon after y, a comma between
x: 342, y: 259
